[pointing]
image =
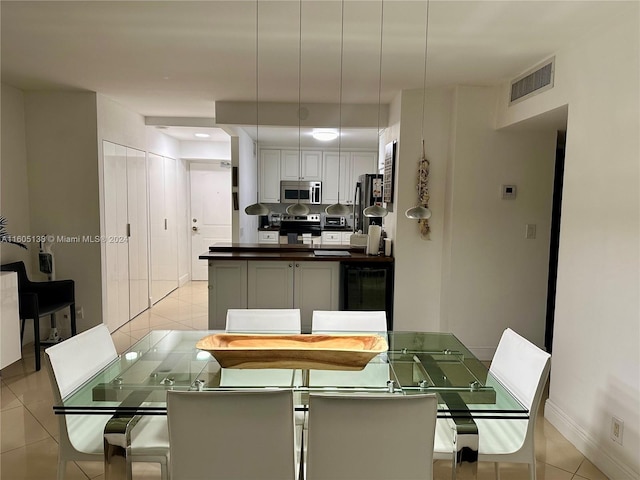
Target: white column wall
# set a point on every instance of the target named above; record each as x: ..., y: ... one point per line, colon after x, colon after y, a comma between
x: 595, y: 370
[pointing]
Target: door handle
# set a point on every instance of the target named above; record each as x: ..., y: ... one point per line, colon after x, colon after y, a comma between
x: 194, y: 228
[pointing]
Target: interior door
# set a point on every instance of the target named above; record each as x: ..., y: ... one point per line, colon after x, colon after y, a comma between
x: 210, y: 211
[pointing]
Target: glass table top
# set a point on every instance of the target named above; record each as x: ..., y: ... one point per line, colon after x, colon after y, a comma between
x: 416, y: 362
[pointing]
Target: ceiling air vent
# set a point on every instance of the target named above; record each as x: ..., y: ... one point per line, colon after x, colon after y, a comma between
x: 532, y: 82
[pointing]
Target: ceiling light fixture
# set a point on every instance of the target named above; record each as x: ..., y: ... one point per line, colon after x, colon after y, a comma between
x: 299, y: 208
x: 257, y: 208
x: 421, y: 211
x: 378, y: 210
x: 339, y: 208
x: 201, y: 135
x: 325, y: 135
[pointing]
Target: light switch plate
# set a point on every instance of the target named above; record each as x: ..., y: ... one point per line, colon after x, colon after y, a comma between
x: 530, y: 231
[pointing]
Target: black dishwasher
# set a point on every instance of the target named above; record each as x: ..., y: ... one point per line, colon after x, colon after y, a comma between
x: 367, y: 286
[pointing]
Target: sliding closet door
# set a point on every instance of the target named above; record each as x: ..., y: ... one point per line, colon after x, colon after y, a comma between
x: 162, y: 216
x: 138, y: 232
x: 115, y: 223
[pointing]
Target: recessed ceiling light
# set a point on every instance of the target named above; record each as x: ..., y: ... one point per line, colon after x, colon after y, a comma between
x: 202, y: 135
x: 325, y: 135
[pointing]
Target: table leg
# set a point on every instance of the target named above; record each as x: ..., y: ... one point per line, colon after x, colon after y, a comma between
x: 117, y: 445
x: 466, y: 450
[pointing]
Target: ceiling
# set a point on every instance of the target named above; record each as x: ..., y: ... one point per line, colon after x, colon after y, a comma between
x: 177, y: 58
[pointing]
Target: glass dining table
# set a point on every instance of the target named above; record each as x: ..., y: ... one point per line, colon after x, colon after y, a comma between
x: 136, y: 384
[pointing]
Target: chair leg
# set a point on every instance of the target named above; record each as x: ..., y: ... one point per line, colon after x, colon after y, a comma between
x: 36, y: 341
x: 496, y: 465
x: 72, y: 316
x: 532, y: 470
x: 22, y: 322
x: 164, y: 471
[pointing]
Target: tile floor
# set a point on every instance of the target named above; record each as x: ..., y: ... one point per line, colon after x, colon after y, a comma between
x: 29, y: 430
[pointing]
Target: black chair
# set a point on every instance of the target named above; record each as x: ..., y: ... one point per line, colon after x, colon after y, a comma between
x: 39, y: 299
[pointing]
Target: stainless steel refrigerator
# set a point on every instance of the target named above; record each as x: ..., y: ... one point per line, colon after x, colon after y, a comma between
x: 368, y: 192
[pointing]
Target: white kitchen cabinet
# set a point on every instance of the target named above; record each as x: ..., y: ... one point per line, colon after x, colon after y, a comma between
x: 336, y: 168
x: 361, y: 163
x: 126, y: 233
x: 351, y: 166
x: 288, y: 284
x: 308, y: 168
x: 332, y: 238
x: 270, y: 175
x: 311, y: 165
x: 227, y: 289
x: 289, y: 165
x: 268, y: 237
x: 316, y: 287
x: 163, y: 231
x: 270, y: 284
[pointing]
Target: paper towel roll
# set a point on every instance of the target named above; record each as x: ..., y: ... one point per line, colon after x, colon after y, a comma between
x: 373, y: 245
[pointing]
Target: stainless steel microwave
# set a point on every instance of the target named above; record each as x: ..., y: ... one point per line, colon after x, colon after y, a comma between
x: 300, y: 192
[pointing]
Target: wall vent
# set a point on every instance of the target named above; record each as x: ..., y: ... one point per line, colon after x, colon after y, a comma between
x: 533, y: 82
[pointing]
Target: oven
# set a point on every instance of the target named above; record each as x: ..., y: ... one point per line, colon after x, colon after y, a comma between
x: 299, y: 228
x: 300, y: 192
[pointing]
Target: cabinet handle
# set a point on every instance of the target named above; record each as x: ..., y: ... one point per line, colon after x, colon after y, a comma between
x: 290, y: 265
x: 297, y: 265
x: 165, y: 223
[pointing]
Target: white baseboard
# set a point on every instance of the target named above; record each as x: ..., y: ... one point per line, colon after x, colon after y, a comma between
x: 587, y: 445
x: 183, y: 280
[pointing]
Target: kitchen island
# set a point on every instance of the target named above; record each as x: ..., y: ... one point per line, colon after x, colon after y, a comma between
x: 308, y: 277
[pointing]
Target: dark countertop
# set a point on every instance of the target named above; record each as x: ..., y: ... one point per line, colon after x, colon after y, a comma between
x: 268, y: 229
x: 301, y: 252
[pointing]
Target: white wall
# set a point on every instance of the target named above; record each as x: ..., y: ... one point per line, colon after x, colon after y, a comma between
x: 247, y: 163
x: 62, y: 159
x: 418, y: 262
x: 183, y: 222
x: 14, y: 186
x: 205, y: 150
x: 596, y: 361
x: 500, y: 275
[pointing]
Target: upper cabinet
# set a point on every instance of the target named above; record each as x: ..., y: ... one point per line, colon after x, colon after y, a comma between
x: 314, y: 165
x: 270, y: 175
x: 309, y: 167
x: 346, y: 171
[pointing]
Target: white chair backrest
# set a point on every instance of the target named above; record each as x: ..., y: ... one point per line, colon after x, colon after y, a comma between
x: 78, y: 358
x: 520, y: 366
x: 231, y: 435
x: 348, y: 321
x: 257, y: 320
x: 349, y: 437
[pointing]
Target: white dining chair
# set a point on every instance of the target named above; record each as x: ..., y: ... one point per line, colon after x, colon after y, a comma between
x: 349, y: 321
x: 523, y: 369
x: 375, y: 374
x: 70, y: 364
x: 260, y: 320
x: 371, y: 437
x: 231, y: 435
x: 264, y: 320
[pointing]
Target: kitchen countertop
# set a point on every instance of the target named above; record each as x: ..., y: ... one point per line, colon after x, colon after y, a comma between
x: 301, y: 252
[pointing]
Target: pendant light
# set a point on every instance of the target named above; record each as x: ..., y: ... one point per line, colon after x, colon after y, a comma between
x: 257, y: 208
x: 421, y: 210
x: 377, y: 210
x: 299, y: 208
x: 339, y: 208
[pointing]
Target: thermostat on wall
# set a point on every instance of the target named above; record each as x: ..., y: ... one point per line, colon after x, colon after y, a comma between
x: 508, y: 192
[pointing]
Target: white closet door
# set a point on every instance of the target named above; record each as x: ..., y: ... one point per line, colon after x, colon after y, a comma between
x: 138, y: 232
x: 115, y: 221
x: 171, y: 205
x: 162, y: 215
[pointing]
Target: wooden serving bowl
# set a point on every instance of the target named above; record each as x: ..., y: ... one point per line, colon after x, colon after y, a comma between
x: 324, y: 352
